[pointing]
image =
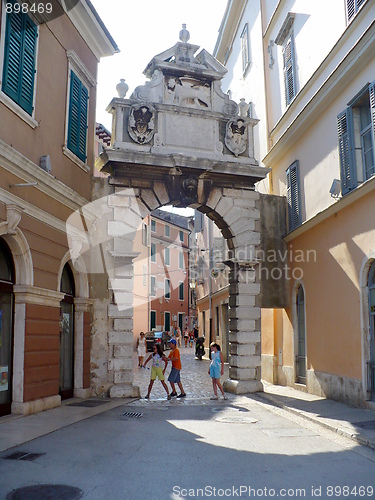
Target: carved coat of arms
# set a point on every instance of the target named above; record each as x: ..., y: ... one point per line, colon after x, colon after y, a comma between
x: 141, y: 123
x: 236, y: 135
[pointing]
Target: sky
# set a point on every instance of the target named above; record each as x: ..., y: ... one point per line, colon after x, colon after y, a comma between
x: 143, y: 29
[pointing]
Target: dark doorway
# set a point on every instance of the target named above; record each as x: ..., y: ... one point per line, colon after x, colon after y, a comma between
x: 67, y: 334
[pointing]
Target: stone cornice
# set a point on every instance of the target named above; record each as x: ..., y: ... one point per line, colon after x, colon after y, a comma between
x: 28, y: 171
x: 38, y: 296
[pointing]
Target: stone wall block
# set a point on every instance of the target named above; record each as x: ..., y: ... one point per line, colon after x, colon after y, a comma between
x: 245, y: 361
x: 241, y: 193
x: 214, y: 198
x: 246, y: 325
x: 120, y: 338
x: 245, y: 313
x: 233, y: 215
x: 122, y: 284
x: 242, y: 349
x: 247, y: 238
x: 118, y: 364
x: 123, y: 324
x: 161, y: 193
x: 224, y: 206
x: 245, y: 300
x: 242, y: 373
x: 242, y: 226
x: 123, y: 377
x: 149, y: 199
x: 244, y: 202
x: 248, y: 288
x: 252, y: 337
x: 131, y: 219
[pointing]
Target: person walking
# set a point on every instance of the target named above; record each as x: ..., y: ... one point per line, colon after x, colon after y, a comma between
x: 157, y: 369
x: 174, y: 376
x: 141, y: 348
x: 186, y: 336
x: 178, y: 336
x: 216, y: 369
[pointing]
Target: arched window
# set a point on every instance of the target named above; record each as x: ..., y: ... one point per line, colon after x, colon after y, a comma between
x: 6, y: 327
x: 67, y: 334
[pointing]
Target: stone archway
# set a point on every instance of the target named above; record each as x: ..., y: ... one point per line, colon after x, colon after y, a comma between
x: 179, y: 140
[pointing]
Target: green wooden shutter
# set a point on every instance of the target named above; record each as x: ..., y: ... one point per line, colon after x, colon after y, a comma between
x: 294, y: 211
x: 78, y: 109
x: 372, y: 110
x: 289, y: 71
x: 347, y: 168
x: 19, y: 60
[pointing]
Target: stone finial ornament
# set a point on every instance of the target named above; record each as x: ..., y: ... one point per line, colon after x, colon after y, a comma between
x: 122, y: 87
x: 184, y: 35
x: 243, y: 108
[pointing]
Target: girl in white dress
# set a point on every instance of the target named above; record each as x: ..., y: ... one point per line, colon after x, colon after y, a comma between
x: 141, y: 348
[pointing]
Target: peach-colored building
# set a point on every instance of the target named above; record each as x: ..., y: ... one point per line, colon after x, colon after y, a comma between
x: 47, y: 124
x: 161, y: 273
x: 308, y: 71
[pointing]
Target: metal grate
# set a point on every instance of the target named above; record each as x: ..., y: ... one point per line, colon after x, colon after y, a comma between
x: 23, y: 455
x: 132, y: 414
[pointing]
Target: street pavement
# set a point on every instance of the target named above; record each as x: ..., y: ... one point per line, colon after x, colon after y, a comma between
x: 281, y: 443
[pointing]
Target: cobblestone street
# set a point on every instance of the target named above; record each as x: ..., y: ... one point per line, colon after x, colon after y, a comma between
x: 194, y: 377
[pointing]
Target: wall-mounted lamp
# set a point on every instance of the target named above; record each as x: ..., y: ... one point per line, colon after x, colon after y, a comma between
x: 335, y: 190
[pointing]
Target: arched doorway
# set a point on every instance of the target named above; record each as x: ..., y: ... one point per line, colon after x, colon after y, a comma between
x: 6, y: 328
x: 301, y: 344
x: 66, y: 384
x: 371, y: 362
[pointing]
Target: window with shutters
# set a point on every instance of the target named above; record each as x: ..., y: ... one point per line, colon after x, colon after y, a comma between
x: 181, y: 290
x: 167, y: 288
x: 356, y: 136
x: 153, y: 286
x: 153, y: 226
x: 292, y: 181
x: 153, y: 252
x: 77, y: 120
x: 18, y: 76
x: 245, y: 48
x: 181, y: 260
x: 289, y: 69
x: 352, y: 7
x: 167, y: 256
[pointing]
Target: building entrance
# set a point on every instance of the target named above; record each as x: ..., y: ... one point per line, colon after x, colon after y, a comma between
x: 371, y: 362
x: 6, y: 328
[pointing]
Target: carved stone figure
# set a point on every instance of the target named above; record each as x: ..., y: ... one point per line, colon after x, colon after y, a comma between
x: 186, y: 91
x: 141, y: 123
x: 151, y: 91
x: 236, y: 136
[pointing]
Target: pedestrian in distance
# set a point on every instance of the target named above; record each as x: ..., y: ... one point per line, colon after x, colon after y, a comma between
x: 216, y: 369
x: 157, y: 370
x: 141, y: 348
x: 174, y: 376
x: 178, y: 336
x: 186, y: 336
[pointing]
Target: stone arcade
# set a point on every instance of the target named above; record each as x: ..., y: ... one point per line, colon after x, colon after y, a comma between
x: 179, y: 140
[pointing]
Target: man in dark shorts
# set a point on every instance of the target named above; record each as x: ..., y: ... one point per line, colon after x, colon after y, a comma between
x: 174, y: 376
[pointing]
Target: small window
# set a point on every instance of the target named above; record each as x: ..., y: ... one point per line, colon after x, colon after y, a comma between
x: 352, y: 7
x: 167, y: 256
x: 167, y: 230
x: 152, y: 319
x: 181, y: 260
x: 144, y: 275
x: 356, y: 132
x: 182, y: 236
x: 153, y: 252
x: 77, y: 119
x: 153, y: 286
x: 292, y: 180
x: 245, y: 48
x: 289, y: 69
x: 167, y: 289
x: 153, y: 226
x: 20, y: 59
x: 145, y: 234
x: 181, y: 290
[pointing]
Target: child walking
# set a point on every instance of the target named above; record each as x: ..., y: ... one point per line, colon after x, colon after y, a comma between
x: 174, y: 376
x: 216, y: 369
x: 157, y: 369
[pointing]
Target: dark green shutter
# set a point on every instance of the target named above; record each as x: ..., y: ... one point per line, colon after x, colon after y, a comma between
x: 294, y: 211
x: 78, y: 107
x: 347, y: 170
x: 19, y: 60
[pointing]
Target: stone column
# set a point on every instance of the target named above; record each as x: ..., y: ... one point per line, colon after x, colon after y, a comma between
x: 244, y: 331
